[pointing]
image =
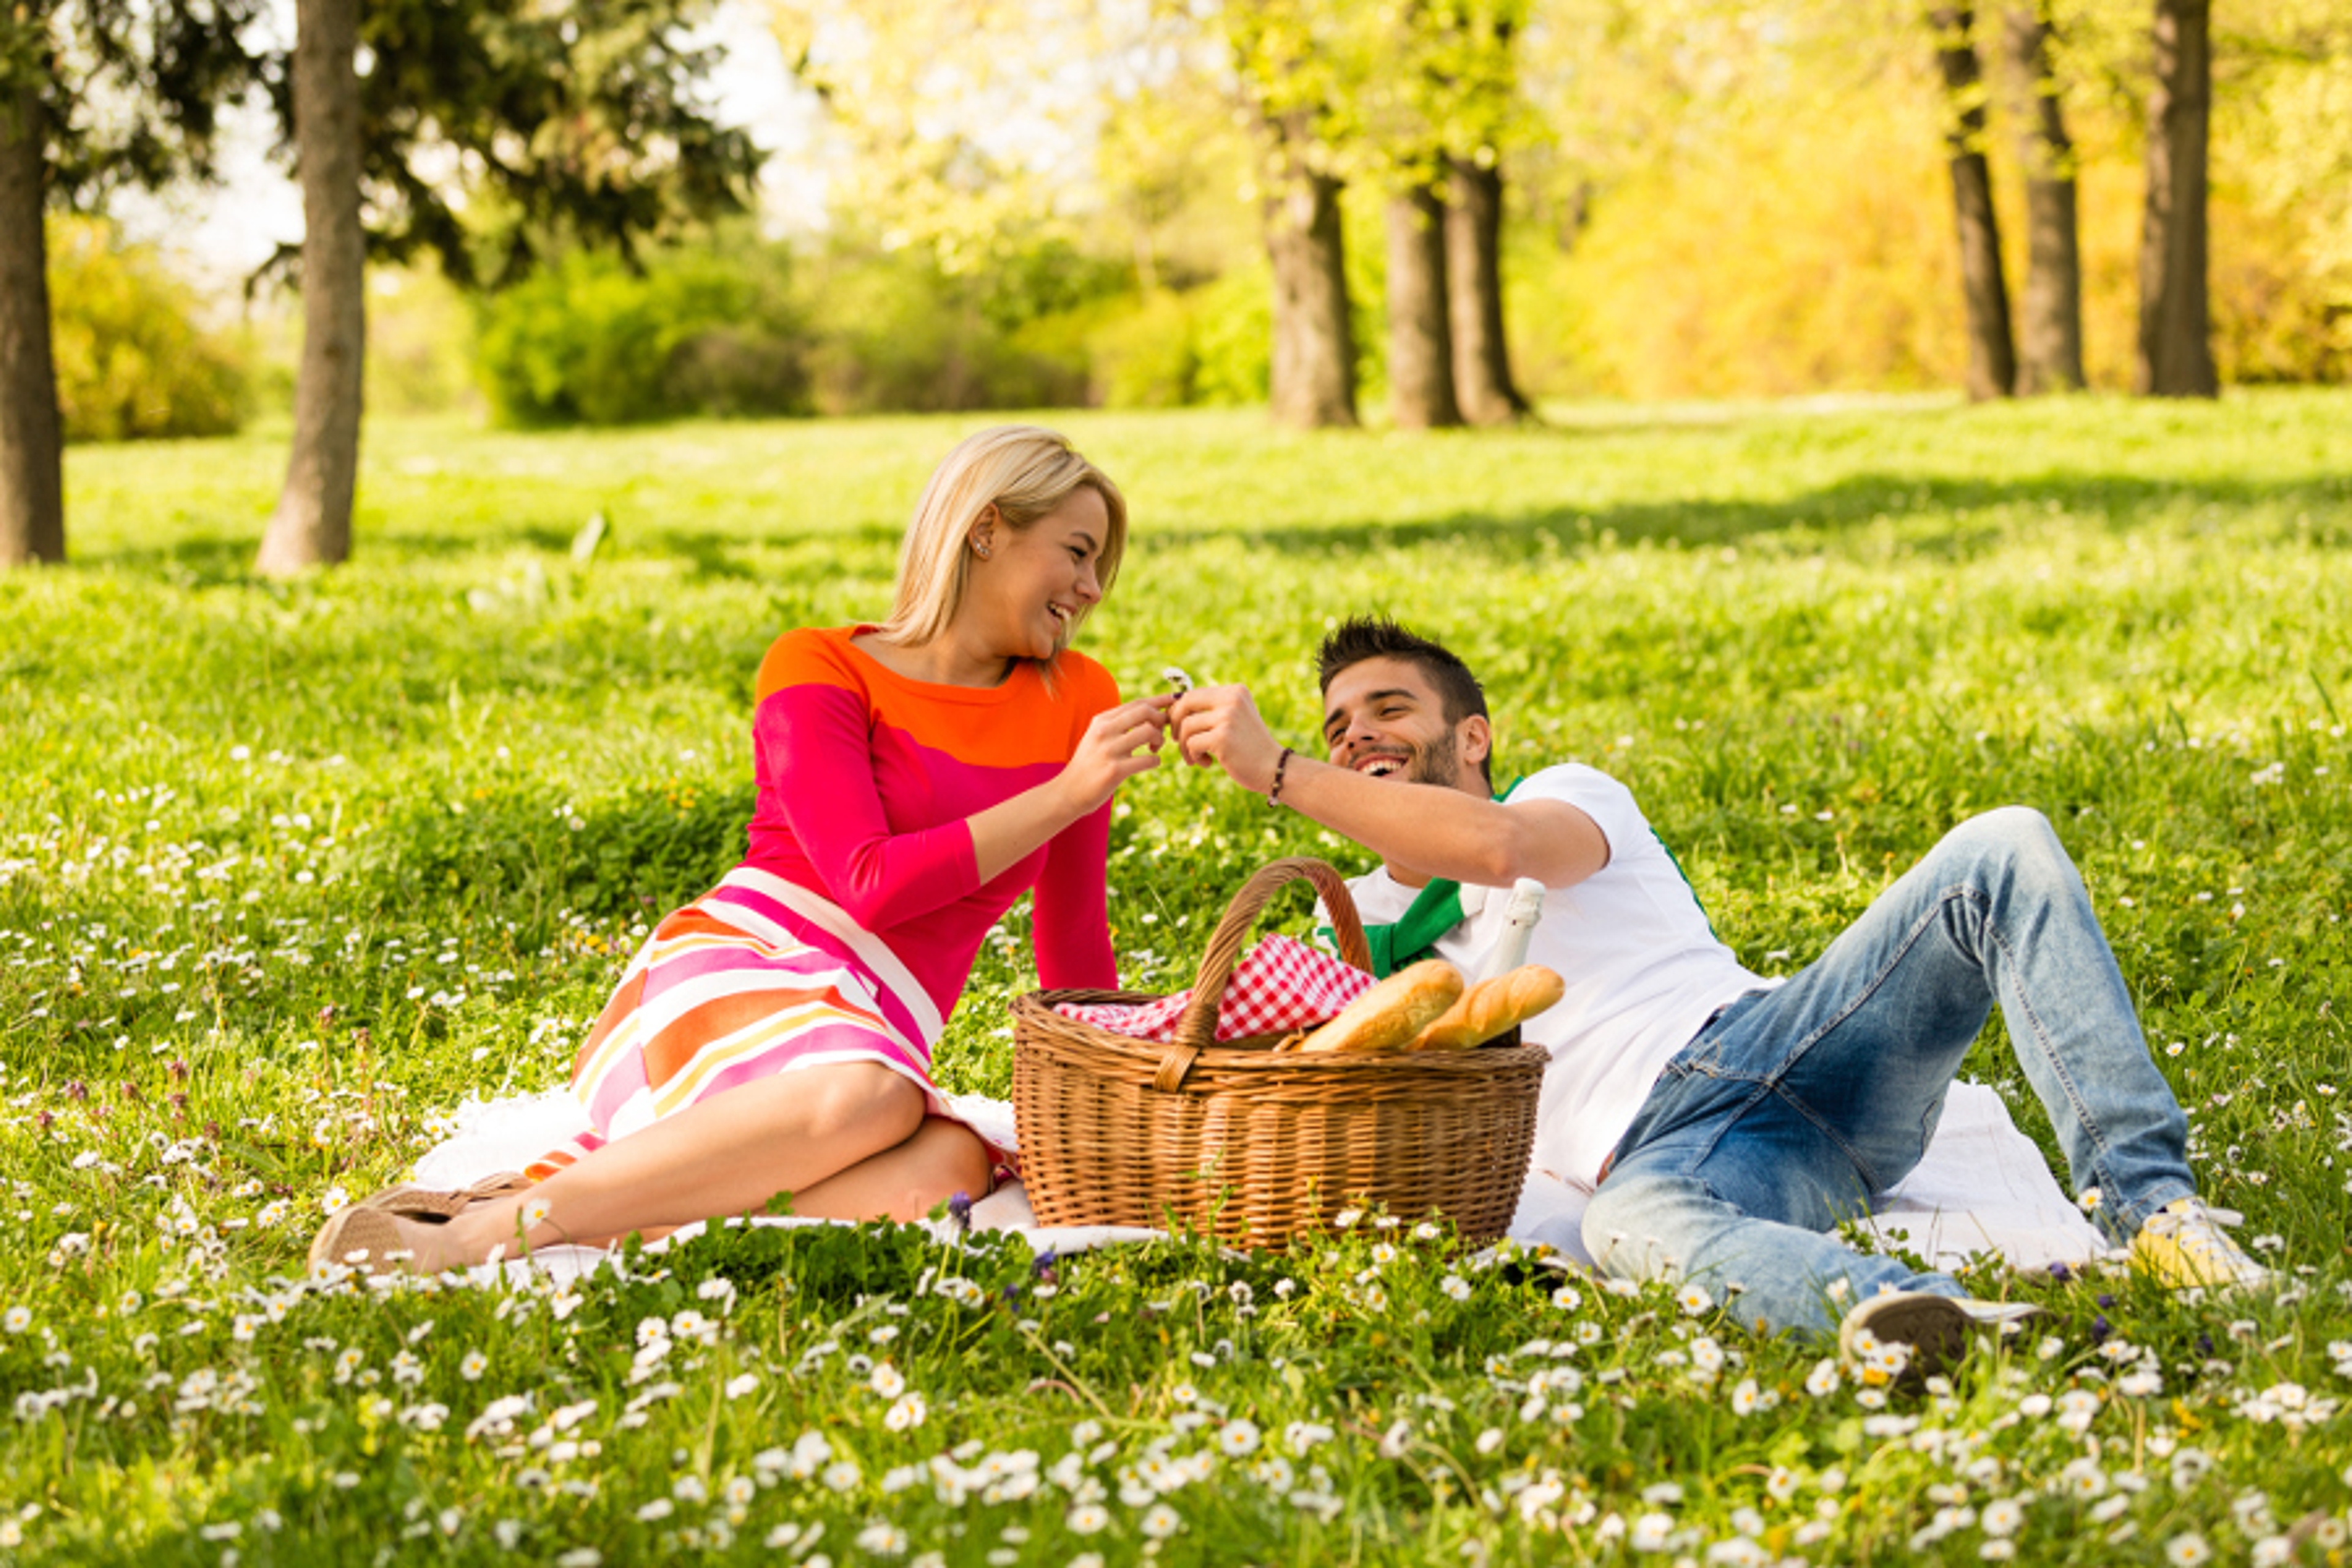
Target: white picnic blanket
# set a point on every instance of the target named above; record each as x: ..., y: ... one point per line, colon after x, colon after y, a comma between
x: 1983, y: 1189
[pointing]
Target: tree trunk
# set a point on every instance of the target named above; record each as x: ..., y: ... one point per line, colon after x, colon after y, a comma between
x: 32, y: 478
x: 1420, y: 345
x: 2176, y: 346
x: 1474, y: 283
x: 1993, y: 363
x: 2050, y: 310
x: 313, y: 524
x: 1313, y: 341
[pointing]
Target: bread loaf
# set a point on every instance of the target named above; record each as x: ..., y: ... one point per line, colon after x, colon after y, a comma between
x: 1391, y: 1012
x: 1491, y: 1006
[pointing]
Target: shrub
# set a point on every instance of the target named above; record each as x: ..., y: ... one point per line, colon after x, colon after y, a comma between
x: 131, y: 362
x: 893, y: 332
x: 1232, y: 336
x: 420, y: 343
x: 1147, y: 354
x: 705, y: 329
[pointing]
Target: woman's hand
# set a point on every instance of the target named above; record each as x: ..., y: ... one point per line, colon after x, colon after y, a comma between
x: 1119, y: 743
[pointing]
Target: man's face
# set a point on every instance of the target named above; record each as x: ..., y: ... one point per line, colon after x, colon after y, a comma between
x: 1383, y: 719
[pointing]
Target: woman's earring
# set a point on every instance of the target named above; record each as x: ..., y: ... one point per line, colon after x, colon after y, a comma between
x: 980, y: 551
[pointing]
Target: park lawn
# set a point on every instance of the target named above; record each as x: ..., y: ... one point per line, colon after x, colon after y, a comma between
x: 286, y: 872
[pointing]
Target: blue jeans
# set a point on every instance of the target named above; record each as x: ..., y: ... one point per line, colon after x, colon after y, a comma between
x: 1796, y: 1107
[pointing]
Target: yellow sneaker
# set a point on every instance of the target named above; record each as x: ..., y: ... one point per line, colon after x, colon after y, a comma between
x: 2182, y: 1244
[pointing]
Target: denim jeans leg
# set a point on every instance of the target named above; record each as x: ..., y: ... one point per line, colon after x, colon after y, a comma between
x: 1996, y: 912
x: 1747, y: 1215
x: 1805, y: 1101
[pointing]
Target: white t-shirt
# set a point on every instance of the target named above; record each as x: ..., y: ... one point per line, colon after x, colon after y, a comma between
x: 1644, y: 970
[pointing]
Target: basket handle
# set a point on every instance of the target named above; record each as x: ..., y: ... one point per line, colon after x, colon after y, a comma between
x: 1197, y: 1029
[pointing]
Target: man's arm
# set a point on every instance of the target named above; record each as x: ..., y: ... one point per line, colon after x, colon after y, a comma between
x: 1437, y: 831
x: 1430, y: 829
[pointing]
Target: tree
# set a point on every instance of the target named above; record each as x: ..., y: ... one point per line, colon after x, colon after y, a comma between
x: 32, y: 474
x: 2050, y: 326
x: 1992, y: 360
x: 313, y: 523
x: 1294, y: 61
x: 1421, y: 340
x: 132, y: 101
x: 1440, y: 102
x: 937, y: 122
x: 1489, y: 393
x: 1483, y: 112
x: 2176, y: 341
x: 580, y: 124
x: 1314, y: 359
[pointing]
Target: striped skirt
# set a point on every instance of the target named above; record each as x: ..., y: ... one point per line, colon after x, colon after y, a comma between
x: 758, y: 977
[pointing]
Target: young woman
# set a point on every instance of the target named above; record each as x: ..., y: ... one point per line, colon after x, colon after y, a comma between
x: 915, y: 778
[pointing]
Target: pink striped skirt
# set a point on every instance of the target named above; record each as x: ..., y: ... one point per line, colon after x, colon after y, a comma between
x: 758, y: 977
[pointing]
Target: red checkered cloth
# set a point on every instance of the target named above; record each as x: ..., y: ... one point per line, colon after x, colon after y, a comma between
x: 1279, y: 985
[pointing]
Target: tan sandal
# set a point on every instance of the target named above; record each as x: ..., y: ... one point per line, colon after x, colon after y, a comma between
x: 410, y: 1200
x: 359, y: 1237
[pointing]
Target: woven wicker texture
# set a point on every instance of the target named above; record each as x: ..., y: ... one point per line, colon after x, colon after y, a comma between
x: 1255, y: 1147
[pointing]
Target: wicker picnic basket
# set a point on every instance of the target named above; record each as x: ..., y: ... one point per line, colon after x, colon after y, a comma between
x: 1252, y: 1146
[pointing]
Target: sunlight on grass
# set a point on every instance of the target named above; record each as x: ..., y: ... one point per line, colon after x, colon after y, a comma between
x: 286, y: 872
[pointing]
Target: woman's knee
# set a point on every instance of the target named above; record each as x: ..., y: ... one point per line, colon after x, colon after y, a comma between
x: 864, y: 1097
x: 942, y: 1160
x: 954, y: 1158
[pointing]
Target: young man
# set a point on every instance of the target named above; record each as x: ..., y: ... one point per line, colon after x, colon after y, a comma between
x: 1728, y: 1121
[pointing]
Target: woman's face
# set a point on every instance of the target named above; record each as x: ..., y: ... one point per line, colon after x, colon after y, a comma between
x: 1023, y: 596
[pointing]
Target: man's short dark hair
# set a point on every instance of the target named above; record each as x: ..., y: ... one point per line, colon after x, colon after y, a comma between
x: 1379, y: 636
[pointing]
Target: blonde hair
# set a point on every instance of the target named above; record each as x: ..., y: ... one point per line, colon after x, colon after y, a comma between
x: 1022, y: 470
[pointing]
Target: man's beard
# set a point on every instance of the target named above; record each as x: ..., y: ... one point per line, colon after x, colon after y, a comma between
x: 1439, y: 763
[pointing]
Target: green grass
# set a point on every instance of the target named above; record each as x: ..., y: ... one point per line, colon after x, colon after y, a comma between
x: 288, y: 872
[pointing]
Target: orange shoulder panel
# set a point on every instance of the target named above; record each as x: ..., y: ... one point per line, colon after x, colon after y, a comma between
x: 810, y: 656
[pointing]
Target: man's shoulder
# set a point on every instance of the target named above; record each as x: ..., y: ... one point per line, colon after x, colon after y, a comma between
x: 1600, y: 795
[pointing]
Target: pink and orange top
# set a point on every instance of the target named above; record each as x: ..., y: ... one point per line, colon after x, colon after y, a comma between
x: 867, y: 778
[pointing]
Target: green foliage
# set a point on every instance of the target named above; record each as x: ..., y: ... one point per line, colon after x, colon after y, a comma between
x: 1149, y: 356
x: 649, y: 846
x: 131, y: 94
x: 1233, y: 332
x: 896, y: 330
x: 420, y: 343
x: 583, y: 125
x: 1205, y: 346
x: 267, y: 920
x: 131, y: 362
x: 594, y: 340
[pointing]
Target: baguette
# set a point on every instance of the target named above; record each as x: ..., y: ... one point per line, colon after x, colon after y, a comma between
x: 1389, y: 1013
x: 1491, y: 1006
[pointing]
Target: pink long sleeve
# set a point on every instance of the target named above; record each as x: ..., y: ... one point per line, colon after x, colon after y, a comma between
x: 866, y: 783
x: 816, y: 754
x: 1071, y: 929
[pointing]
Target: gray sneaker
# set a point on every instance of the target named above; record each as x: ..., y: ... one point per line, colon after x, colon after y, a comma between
x: 1902, y: 1336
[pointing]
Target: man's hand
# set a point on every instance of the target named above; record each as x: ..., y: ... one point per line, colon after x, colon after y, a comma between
x: 1219, y: 724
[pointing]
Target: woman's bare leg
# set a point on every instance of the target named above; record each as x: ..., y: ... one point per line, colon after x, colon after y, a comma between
x: 723, y: 1156
x: 943, y: 1158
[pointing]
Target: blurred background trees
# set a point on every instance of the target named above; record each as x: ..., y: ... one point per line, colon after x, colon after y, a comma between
x: 1425, y: 212
x: 94, y: 97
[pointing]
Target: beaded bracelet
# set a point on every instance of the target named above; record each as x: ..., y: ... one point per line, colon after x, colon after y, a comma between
x: 1274, y: 792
